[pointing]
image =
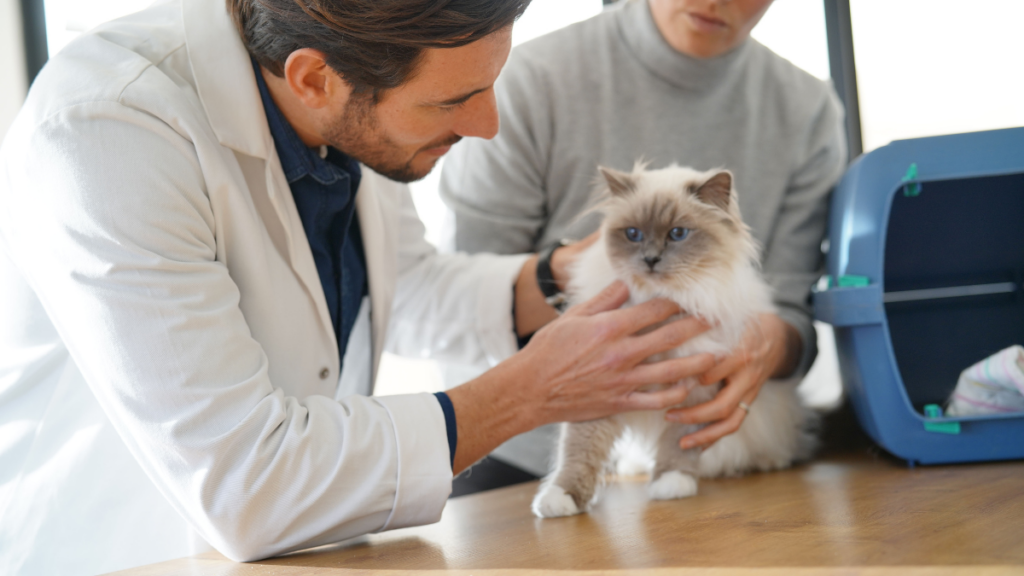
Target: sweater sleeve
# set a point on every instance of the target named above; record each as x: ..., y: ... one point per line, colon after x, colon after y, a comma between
x: 496, y: 188
x: 793, y: 258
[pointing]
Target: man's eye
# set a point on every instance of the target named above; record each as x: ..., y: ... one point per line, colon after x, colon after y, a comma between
x: 678, y: 233
x: 452, y: 107
x: 634, y: 234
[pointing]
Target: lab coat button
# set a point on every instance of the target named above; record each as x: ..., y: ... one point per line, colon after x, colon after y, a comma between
x: 324, y: 374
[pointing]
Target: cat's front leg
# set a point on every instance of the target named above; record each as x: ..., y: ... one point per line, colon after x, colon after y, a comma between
x: 675, y: 469
x: 583, y: 451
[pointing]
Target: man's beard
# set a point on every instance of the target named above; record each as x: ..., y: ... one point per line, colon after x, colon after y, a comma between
x: 358, y: 134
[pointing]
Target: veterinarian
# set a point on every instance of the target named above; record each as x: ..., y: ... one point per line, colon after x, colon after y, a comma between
x: 665, y: 81
x: 205, y: 245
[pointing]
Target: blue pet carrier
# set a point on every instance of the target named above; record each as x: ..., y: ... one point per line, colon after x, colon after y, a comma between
x: 926, y: 266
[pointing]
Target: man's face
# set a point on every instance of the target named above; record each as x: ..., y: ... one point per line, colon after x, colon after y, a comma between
x: 450, y: 95
x: 707, y: 28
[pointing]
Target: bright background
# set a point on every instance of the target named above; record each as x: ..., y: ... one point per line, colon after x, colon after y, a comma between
x: 925, y: 67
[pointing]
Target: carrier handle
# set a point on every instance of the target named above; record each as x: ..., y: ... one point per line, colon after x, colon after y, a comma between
x: 849, y: 306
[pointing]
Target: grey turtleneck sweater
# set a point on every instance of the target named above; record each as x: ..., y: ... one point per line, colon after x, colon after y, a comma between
x: 610, y: 91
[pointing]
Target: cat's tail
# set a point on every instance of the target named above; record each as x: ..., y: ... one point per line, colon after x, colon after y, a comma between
x: 778, y: 431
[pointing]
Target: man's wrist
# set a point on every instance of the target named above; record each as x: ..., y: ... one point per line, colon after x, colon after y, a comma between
x: 491, y: 409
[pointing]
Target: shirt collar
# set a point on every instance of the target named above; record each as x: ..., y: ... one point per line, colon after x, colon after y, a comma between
x: 297, y: 159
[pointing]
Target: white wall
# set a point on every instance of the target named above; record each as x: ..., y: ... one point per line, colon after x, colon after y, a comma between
x: 795, y: 30
x: 929, y: 67
x: 12, y: 63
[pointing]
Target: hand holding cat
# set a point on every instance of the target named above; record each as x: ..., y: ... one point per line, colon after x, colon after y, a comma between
x: 587, y: 364
x: 770, y: 348
x: 592, y: 361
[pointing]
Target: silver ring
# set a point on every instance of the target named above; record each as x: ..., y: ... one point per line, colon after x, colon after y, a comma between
x: 745, y: 406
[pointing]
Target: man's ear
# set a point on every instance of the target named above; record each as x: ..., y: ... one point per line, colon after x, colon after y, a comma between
x: 620, y: 183
x: 312, y: 81
x: 717, y: 191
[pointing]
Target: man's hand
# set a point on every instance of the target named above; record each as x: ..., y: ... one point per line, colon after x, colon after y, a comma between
x: 587, y: 364
x: 770, y: 349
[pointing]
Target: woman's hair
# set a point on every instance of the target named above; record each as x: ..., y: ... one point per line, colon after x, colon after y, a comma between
x: 374, y: 45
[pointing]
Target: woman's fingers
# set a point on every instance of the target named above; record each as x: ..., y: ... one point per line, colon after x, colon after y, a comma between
x: 722, y: 405
x: 710, y: 434
x: 721, y: 370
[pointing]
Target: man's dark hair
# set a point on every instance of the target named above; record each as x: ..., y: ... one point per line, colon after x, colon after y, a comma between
x: 373, y: 44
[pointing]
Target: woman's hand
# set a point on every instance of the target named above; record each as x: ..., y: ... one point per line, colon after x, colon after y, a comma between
x: 770, y: 349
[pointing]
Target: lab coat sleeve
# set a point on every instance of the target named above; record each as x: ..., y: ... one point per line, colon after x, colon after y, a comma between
x: 453, y: 307
x: 110, y: 221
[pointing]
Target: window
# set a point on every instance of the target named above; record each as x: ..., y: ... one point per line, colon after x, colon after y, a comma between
x: 929, y: 67
x: 795, y: 30
x: 66, y: 19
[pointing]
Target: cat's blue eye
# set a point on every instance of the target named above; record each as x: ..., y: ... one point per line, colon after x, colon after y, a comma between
x: 678, y: 233
x: 634, y: 234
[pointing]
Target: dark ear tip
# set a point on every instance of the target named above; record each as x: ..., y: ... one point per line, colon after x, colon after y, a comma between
x: 618, y: 182
x: 717, y: 189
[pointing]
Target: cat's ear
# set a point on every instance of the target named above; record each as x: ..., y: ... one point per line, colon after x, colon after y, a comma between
x: 620, y: 183
x: 717, y: 191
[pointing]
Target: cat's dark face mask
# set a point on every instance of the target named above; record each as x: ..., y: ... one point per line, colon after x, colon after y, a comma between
x: 665, y: 237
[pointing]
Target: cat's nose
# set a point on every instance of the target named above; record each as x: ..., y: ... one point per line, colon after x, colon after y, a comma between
x: 652, y: 261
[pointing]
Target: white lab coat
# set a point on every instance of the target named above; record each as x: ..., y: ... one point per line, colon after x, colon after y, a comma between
x: 168, y: 371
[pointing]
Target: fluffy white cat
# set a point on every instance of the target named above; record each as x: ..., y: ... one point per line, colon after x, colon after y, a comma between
x: 677, y: 233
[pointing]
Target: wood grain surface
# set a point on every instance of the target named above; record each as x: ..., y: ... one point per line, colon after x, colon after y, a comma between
x: 843, y: 515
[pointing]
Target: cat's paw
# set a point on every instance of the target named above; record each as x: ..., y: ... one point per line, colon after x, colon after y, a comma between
x: 672, y: 485
x: 552, y: 502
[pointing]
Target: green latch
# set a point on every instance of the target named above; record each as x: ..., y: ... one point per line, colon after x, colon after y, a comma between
x: 852, y: 281
x: 911, y: 186
x: 935, y: 411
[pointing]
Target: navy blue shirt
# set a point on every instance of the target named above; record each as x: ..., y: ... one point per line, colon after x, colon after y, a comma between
x: 325, y: 196
x: 325, y: 189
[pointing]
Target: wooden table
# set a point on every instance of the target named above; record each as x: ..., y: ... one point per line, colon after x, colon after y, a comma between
x: 847, y: 515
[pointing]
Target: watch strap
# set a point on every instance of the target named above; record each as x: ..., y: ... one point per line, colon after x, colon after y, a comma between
x: 546, y: 277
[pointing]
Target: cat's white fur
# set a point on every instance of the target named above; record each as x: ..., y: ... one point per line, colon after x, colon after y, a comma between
x: 772, y: 435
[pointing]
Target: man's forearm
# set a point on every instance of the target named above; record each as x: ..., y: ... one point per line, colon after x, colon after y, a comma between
x: 490, y: 410
x: 532, y: 309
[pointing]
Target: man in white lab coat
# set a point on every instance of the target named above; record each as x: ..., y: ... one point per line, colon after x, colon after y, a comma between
x: 204, y: 248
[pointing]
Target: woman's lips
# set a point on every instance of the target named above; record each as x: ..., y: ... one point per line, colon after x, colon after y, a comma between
x: 707, y: 23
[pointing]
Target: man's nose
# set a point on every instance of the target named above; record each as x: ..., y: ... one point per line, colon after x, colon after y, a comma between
x: 479, y: 117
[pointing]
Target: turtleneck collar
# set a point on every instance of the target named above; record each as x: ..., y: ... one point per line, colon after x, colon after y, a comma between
x: 636, y: 24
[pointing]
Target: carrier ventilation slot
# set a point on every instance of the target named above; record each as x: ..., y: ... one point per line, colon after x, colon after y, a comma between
x: 950, y: 292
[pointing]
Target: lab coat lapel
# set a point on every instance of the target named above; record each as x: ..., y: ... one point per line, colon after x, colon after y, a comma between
x: 381, y: 270
x: 227, y: 87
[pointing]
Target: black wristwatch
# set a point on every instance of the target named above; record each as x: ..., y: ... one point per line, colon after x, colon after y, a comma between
x: 546, y: 279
